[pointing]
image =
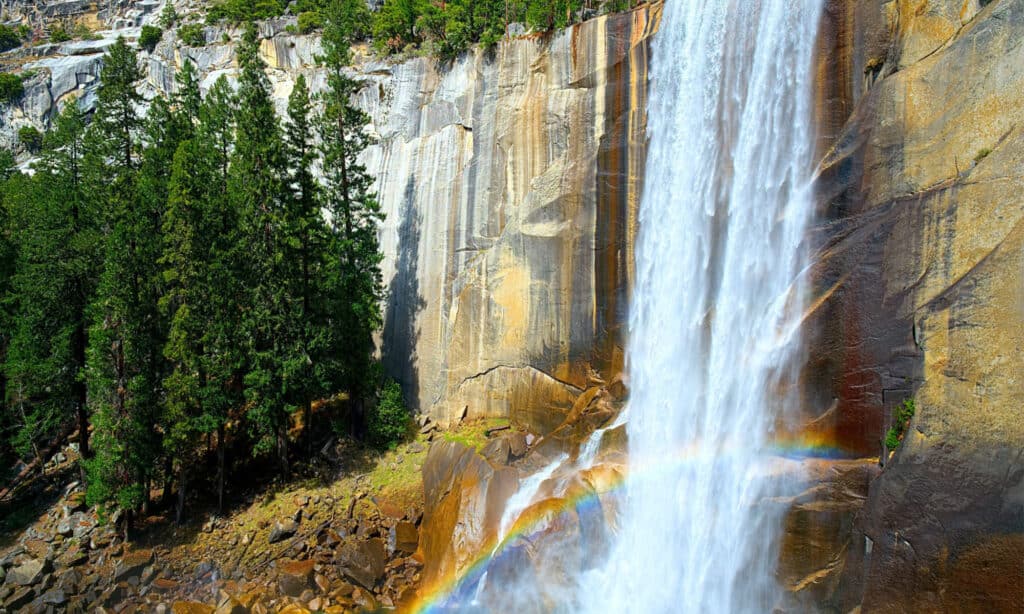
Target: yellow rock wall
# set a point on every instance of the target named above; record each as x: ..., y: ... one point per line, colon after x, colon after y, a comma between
x: 922, y: 248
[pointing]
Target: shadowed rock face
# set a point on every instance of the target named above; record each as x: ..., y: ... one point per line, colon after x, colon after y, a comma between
x: 922, y: 264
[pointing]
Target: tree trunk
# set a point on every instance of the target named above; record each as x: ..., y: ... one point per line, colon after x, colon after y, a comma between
x: 221, y: 453
x: 282, y: 451
x: 308, y: 420
x: 165, y: 497
x: 182, y: 482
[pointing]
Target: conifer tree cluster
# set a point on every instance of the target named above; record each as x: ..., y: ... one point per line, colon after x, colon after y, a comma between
x: 179, y: 286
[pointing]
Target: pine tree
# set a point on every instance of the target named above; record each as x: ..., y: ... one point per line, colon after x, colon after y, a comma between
x: 309, y: 368
x: 58, y: 233
x: 125, y: 362
x: 256, y: 188
x: 202, y: 270
x: 355, y: 216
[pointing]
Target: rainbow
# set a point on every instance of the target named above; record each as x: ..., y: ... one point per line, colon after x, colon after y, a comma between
x: 538, y: 516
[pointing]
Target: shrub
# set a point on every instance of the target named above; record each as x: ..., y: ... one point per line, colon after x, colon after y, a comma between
x: 388, y: 422
x: 82, y: 31
x: 192, y: 35
x: 149, y: 37
x: 168, y: 16
x: 982, y: 154
x: 11, y: 88
x: 59, y: 34
x: 309, y: 21
x: 9, y: 38
x: 901, y: 420
x: 238, y: 11
x: 31, y: 138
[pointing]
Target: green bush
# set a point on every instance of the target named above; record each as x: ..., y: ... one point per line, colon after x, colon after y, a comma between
x: 31, y: 138
x: 309, y: 21
x: 11, y: 88
x: 168, y: 16
x: 59, y: 34
x: 901, y: 420
x: 388, y: 422
x: 9, y: 38
x: 238, y: 11
x: 149, y: 37
x: 192, y: 35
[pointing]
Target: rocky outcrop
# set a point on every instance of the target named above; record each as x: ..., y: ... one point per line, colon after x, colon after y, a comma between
x: 922, y: 274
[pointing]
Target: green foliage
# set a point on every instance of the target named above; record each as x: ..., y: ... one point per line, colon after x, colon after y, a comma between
x: 982, y: 154
x: 901, y: 420
x: 149, y: 37
x: 310, y: 21
x: 9, y: 38
x: 31, y: 138
x: 168, y: 16
x: 59, y: 251
x: 192, y: 35
x: 453, y: 26
x: 11, y: 88
x: 238, y: 11
x: 171, y: 278
x: 59, y: 33
x: 389, y: 420
x: 354, y: 211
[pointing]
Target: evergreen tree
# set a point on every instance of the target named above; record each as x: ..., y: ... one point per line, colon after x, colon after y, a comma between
x: 355, y: 216
x: 8, y: 259
x: 125, y: 362
x: 202, y: 272
x: 256, y: 188
x: 58, y: 233
x: 309, y: 369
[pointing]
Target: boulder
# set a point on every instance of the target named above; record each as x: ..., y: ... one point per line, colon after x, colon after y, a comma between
x: 294, y: 577
x: 362, y: 561
x: 19, y: 599
x: 55, y: 596
x: 230, y: 605
x: 407, y: 537
x: 282, y: 530
x: 28, y: 573
x: 497, y: 451
x: 191, y: 607
x: 132, y: 564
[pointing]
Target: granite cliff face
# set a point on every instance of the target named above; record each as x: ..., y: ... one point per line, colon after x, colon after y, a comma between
x: 923, y: 267
x: 511, y: 181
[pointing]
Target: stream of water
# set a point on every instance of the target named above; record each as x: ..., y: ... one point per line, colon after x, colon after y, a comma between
x: 714, y: 341
x: 714, y: 327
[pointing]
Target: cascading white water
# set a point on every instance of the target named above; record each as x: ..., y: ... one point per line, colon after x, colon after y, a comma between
x: 713, y: 345
x: 716, y: 307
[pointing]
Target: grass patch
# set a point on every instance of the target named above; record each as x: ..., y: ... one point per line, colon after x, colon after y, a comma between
x: 982, y: 154
x: 474, y: 434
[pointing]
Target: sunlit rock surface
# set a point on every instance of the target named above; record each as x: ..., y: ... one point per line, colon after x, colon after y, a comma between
x: 923, y: 192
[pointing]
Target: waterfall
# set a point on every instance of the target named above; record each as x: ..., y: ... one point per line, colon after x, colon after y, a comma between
x: 714, y: 326
x: 714, y: 344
